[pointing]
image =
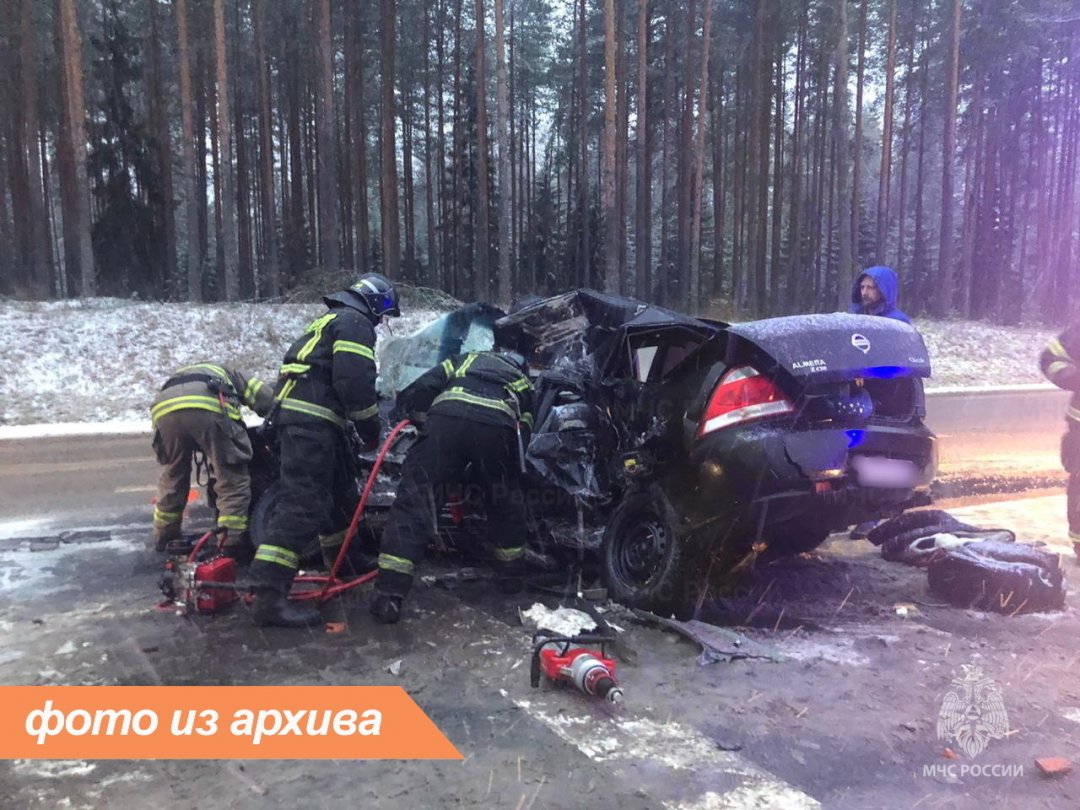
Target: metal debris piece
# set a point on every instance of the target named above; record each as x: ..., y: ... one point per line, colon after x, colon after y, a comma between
x: 717, y: 643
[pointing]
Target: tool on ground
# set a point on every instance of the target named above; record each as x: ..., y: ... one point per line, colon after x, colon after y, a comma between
x: 203, y: 581
x: 563, y: 659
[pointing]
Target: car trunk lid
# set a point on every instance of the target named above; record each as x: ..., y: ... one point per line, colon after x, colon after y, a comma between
x: 817, y: 349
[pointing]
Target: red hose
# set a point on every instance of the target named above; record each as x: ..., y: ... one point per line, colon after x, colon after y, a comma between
x: 333, y: 586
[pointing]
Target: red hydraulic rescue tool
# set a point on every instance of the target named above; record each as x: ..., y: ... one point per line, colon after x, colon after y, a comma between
x: 564, y: 660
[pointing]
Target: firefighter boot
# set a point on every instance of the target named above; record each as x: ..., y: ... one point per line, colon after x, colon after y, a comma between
x: 237, y: 545
x: 510, y: 576
x: 331, y: 545
x: 356, y: 562
x: 272, y: 608
x: 163, y: 535
x: 386, y: 608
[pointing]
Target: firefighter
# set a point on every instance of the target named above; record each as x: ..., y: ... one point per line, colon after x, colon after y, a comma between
x: 327, y: 382
x: 476, y: 412
x: 1060, y: 362
x: 198, y: 409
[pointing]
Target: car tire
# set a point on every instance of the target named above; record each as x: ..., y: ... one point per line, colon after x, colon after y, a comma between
x: 646, y: 555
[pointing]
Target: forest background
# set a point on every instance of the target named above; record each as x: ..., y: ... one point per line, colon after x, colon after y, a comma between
x: 740, y: 157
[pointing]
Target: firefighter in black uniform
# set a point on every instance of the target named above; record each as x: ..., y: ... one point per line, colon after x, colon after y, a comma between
x: 327, y: 381
x: 1060, y: 362
x: 477, y: 426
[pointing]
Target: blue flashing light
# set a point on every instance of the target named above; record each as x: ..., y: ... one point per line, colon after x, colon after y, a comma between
x: 855, y: 437
x: 886, y: 372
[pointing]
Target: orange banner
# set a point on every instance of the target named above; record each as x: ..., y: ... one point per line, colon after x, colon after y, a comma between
x: 216, y: 722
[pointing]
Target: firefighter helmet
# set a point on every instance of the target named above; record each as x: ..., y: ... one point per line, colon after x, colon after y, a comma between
x: 374, y: 291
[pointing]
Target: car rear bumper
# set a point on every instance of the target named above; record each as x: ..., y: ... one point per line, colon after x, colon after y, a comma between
x: 834, y: 475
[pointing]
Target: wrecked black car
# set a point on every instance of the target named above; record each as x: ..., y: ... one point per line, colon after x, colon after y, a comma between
x: 667, y: 446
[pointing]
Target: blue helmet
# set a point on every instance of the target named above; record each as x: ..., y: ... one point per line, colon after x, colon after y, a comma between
x: 374, y: 291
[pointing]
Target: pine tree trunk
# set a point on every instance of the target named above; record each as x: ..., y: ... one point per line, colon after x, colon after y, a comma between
x: 159, y: 125
x: 408, y: 198
x: 943, y: 301
x: 296, y: 245
x: 455, y: 224
x: 246, y: 265
x: 227, y: 202
x: 659, y: 292
x: 391, y: 234
x: 38, y: 269
x: 269, y: 275
x: 796, y: 268
x: 685, y: 167
x: 881, y: 231
x: 760, y: 150
x: 584, y: 212
x: 78, y: 210
x: 643, y: 215
x: 622, y: 142
x: 718, y: 125
x: 505, y: 293
x: 919, y: 276
x: 607, y: 191
x: 694, y: 289
x: 432, y: 276
x: 856, y: 178
x: 905, y: 149
x: 775, y: 263
x: 445, y: 261
x: 329, y: 223
x: 483, y: 229
x: 844, y: 270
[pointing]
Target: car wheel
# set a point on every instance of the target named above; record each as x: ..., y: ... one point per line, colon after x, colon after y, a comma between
x: 261, y: 514
x: 645, y: 554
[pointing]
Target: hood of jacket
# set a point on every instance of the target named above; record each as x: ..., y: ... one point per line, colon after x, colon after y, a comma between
x: 886, y: 281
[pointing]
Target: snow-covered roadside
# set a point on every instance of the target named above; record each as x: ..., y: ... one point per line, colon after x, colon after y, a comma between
x: 100, y: 361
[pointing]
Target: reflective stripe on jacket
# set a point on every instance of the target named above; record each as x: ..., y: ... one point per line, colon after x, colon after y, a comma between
x: 329, y: 372
x: 204, y: 386
x: 1060, y: 362
x: 480, y: 386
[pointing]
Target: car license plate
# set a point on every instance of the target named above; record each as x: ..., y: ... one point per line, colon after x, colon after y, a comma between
x: 878, y: 471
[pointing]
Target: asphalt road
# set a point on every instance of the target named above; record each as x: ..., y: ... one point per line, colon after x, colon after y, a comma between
x: 841, y: 713
x: 1006, y: 441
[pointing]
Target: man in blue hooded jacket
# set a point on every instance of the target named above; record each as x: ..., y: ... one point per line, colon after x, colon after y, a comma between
x: 875, y: 292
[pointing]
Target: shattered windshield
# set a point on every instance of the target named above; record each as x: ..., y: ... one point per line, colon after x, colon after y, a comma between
x: 468, y: 329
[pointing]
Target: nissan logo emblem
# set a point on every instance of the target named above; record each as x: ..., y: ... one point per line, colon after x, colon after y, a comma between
x: 860, y: 342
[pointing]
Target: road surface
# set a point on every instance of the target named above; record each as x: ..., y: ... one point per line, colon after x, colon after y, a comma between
x: 841, y: 712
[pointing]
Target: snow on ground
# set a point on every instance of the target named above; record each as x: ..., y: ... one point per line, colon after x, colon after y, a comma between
x: 975, y: 353
x: 104, y: 359
x: 101, y: 360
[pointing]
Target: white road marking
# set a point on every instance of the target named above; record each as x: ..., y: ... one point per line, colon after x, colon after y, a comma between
x: 701, y: 776
x: 143, y: 488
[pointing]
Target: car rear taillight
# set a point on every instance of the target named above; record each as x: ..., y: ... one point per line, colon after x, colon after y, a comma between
x: 742, y: 395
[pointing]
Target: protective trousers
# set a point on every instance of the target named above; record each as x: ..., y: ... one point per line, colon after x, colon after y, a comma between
x: 1070, y: 460
x: 318, y: 496
x: 228, y: 450
x: 454, y: 451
